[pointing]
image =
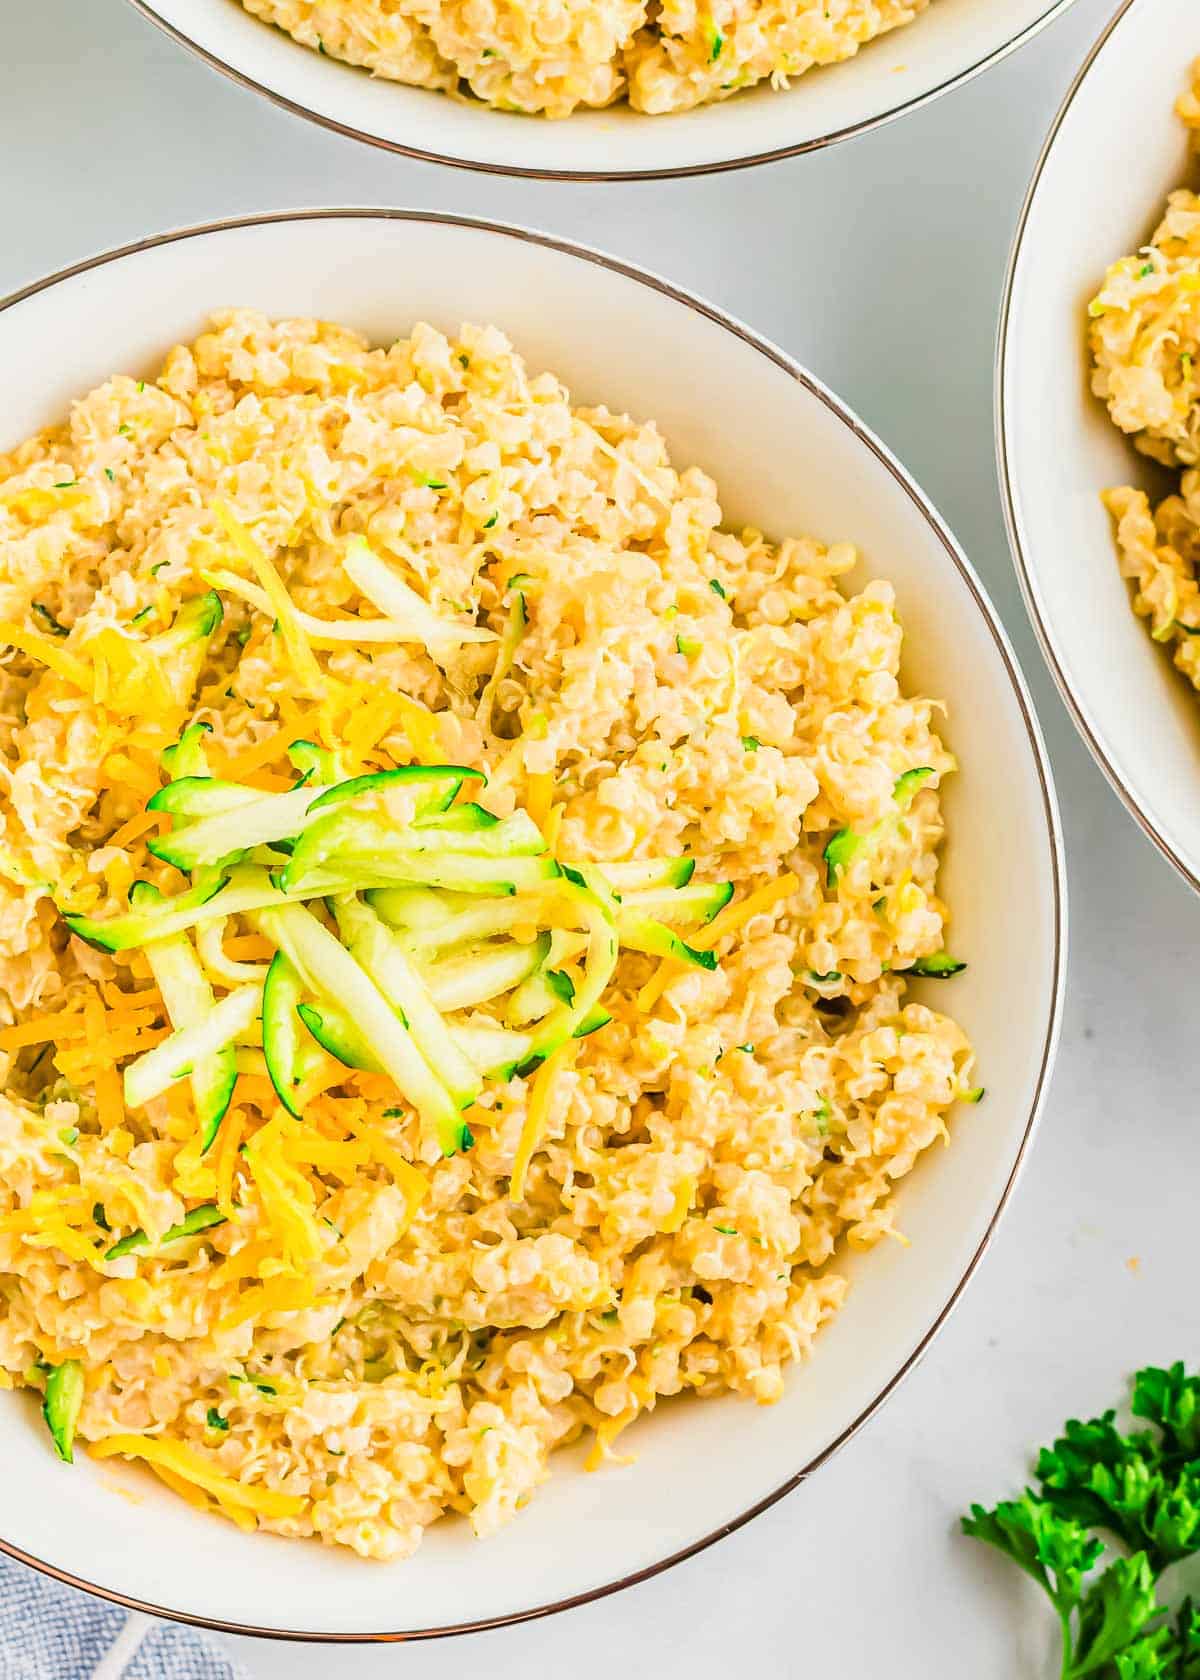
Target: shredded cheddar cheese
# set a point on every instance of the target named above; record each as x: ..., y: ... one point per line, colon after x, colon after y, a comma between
x: 186, y: 1463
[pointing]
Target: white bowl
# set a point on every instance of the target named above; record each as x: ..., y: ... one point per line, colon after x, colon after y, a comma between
x: 789, y: 457
x: 1116, y: 149
x: 945, y: 46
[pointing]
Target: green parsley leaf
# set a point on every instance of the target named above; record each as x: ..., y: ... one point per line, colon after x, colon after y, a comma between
x: 726, y: 1230
x: 717, y: 588
x: 1055, y: 1551
x: 1171, y: 1400
x: 1141, y: 1486
x: 1113, y: 1613
x: 751, y: 743
x: 214, y: 1419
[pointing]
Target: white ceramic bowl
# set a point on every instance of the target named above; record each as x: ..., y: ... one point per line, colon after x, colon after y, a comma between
x: 789, y: 457
x: 1116, y: 149
x: 944, y: 47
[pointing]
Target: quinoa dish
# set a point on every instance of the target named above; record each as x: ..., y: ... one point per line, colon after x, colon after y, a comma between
x: 457, y: 904
x: 1144, y: 336
x: 551, y: 59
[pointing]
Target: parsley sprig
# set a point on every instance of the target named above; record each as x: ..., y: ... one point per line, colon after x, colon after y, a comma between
x: 1143, y: 1489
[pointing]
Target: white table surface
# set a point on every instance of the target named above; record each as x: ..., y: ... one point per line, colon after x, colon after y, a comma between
x: 879, y: 264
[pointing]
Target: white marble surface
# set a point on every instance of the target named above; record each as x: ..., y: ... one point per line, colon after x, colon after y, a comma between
x: 878, y: 263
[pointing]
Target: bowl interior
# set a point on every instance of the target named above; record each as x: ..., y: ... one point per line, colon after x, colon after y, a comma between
x: 787, y: 458
x: 946, y: 42
x: 1117, y: 153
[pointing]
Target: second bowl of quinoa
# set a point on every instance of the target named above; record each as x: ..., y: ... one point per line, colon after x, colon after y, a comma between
x: 601, y: 89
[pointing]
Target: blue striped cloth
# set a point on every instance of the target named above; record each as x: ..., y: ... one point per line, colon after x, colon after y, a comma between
x: 48, y: 1632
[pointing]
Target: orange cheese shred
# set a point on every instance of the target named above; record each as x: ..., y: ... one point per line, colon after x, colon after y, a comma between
x: 43, y: 1029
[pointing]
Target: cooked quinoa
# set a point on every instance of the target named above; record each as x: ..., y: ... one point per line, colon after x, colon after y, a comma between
x: 556, y: 56
x: 1144, y: 334
x: 349, y: 1357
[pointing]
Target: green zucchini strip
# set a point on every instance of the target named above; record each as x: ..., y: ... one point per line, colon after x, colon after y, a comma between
x: 593, y: 909
x: 201, y: 796
x: 655, y: 939
x: 158, y: 1069
x: 542, y: 992
x: 230, y: 894
x: 479, y: 921
x: 467, y: 818
x: 276, y: 816
x: 643, y: 873
x: 463, y: 831
x: 313, y: 763
x: 482, y: 972
x: 418, y: 910
x: 180, y: 650
x: 188, y: 756
x: 336, y: 1033
x: 940, y: 966
x: 189, y: 1000
x: 514, y: 631
x: 435, y: 785
x: 329, y: 969
x: 494, y: 1050
x: 373, y: 945
x: 199, y: 1219
x: 283, y: 1042
x: 62, y: 1404
x: 699, y: 902
x: 378, y: 583
x: 319, y: 866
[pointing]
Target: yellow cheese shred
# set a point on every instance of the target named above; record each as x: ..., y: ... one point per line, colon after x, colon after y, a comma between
x: 280, y: 1294
x: 182, y: 1461
x: 538, y: 1113
x: 42, y: 648
x: 684, y: 1196
x: 413, y: 1185
x: 422, y: 729
x: 303, y: 659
